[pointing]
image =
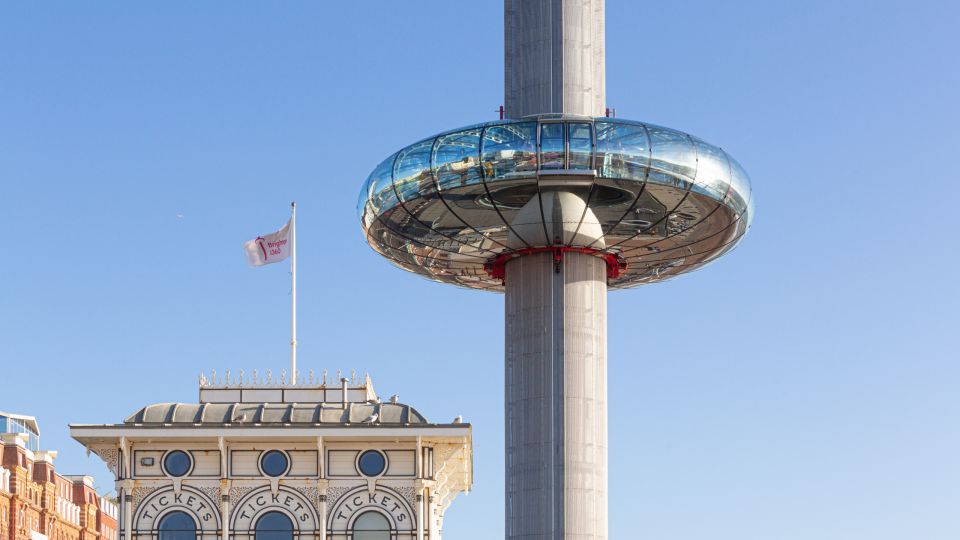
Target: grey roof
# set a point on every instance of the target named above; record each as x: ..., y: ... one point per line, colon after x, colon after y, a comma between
x: 274, y: 413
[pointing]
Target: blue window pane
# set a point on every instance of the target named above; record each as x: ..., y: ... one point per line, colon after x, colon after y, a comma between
x: 674, y: 157
x: 274, y: 526
x: 581, y: 146
x: 274, y: 463
x: 177, y: 463
x: 510, y: 150
x: 552, y: 146
x: 177, y: 526
x: 456, y: 159
x: 713, y: 171
x: 623, y: 150
x: 372, y: 463
x: 411, y: 172
x: 382, y: 196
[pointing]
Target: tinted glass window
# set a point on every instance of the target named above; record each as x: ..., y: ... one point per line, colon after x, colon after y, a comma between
x: 274, y: 526
x: 177, y: 526
x: 274, y: 463
x: 551, y: 146
x: 510, y: 150
x: 371, y: 526
x: 372, y: 463
x: 177, y: 463
x: 457, y: 159
x: 581, y: 146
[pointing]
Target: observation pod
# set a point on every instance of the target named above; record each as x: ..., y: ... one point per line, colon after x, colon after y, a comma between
x: 554, y: 206
x: 651, y: 201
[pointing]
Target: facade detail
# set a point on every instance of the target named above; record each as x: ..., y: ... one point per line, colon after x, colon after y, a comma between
x: 267, y: 460
x: 38, y: 503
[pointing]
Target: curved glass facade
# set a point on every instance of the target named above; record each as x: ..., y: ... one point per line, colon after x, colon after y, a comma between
x: 667, y: 202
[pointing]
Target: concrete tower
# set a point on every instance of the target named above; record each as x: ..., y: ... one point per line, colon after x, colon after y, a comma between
x: 554, y: 205
x: 556, y: 311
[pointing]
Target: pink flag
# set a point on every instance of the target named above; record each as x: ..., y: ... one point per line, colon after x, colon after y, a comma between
x: 269, y: 248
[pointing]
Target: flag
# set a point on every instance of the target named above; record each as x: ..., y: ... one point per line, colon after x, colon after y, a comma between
x: 269, y: 248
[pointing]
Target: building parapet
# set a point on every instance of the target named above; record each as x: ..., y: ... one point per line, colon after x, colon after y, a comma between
x: 252, y: 388
x: 68, y: 511
x: 108, y: 507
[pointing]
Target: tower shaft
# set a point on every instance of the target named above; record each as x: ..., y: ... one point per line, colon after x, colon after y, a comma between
x: 556, y: 388
x: 554, y: 57
x: 556, y: 322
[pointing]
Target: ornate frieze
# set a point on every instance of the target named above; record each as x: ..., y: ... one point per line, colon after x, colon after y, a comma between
x: 334, y: 493
x: 111, y: 456
x: 140, y: 493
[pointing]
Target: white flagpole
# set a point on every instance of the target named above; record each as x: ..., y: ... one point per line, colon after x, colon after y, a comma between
x: 293, y: 292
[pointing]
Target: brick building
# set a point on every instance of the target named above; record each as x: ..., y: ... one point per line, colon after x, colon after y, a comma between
x: 36, y: 502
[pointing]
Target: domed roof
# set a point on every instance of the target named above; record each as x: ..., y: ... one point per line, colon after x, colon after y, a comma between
x: 272, y: 414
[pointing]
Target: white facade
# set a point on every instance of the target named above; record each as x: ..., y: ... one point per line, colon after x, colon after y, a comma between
x: 340, y: 463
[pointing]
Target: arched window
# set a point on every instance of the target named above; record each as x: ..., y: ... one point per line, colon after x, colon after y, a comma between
x: 274, y: 526
x: 178, y: 526
x: 371, y: 526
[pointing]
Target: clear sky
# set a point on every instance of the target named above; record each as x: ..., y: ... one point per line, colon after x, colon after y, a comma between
x: 806, y: 386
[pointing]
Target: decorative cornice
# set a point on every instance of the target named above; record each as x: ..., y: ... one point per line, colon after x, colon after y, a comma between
x: 111, y: 456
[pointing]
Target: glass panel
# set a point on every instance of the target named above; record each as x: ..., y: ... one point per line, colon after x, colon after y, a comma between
x: 382, y: 196
x: 362, y: 202
x: 372, y: 463
x: 274, y: 463
x: 552, y: 146
x: 509, y: 150
x: 177, y: 463
x: 412, y: 169
x: 740, y: 192
x: 713, y: 172
x: 371, y: 526
x: 581, y: 146
x: 274, y: 526
x: 623, y: 150
x: 456, y: 159
x: 177, y: 526
x: 674, y: 160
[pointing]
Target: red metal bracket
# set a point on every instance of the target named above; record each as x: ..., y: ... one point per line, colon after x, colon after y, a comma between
x: 616, y: 265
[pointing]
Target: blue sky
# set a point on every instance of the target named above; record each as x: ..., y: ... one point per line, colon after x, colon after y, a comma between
x: 805, y: 386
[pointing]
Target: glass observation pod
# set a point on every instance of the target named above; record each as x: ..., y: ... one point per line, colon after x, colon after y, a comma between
x: 446, y: 207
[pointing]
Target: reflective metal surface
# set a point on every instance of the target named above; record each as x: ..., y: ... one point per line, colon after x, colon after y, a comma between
x: 447, y: 207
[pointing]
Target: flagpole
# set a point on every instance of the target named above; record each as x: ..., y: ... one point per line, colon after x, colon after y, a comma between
x: 293, y: 292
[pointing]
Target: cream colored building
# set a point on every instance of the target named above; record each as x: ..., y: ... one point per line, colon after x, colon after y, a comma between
x: 266, y: 461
